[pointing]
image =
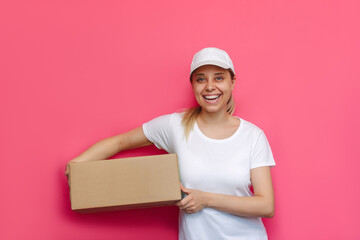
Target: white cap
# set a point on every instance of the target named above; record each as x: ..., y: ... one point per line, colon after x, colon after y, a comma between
x: 212, y: 56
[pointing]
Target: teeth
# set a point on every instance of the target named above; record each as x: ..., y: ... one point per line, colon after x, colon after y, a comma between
x: 211, y: 97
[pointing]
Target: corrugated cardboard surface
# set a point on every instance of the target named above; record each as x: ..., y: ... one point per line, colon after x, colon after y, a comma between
x: 114, y: 184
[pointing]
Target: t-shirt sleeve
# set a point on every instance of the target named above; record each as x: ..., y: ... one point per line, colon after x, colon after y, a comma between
x: 261, y: 153
x: 158, y: 131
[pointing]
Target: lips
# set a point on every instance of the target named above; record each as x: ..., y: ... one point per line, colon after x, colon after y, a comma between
x: 212, y: 98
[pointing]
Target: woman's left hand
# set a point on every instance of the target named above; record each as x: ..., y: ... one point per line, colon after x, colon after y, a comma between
x: 193, y: 202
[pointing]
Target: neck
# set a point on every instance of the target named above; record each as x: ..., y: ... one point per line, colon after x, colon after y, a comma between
x: 215, y: 118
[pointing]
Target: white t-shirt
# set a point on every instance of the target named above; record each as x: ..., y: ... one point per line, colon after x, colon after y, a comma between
x: 217, y: 166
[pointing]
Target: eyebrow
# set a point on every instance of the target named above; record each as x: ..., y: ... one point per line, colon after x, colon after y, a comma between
x: 219, y: 73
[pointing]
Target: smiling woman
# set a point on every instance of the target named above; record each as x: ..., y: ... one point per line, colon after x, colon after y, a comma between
x: 204, y: 61
x: 212, y: 87
x: 220, y: 156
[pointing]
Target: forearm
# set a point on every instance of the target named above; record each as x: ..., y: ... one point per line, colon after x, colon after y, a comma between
x: 110, y: 146
x: 255, y: 206
x: 99, y: 151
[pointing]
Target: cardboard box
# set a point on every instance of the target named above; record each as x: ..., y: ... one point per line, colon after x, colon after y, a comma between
x: 115, y: 184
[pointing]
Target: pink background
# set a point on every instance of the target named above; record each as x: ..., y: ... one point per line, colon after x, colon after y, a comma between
x: 75, y: 72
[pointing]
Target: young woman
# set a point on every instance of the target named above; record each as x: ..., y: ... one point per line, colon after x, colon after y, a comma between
x: 220, y: 156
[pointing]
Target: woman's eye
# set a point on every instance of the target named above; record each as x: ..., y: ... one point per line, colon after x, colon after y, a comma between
x: 200, y: 79
x: 219, y: 78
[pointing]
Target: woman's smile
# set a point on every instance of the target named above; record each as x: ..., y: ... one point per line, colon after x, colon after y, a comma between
x: 212, y: 99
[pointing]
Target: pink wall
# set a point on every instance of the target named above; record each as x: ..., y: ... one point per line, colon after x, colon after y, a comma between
x: 75, y: 72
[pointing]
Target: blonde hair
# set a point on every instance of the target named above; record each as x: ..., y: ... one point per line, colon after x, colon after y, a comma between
x: 191, y: 114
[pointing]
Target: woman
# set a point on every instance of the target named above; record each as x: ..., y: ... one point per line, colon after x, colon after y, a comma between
x: 220, y: 156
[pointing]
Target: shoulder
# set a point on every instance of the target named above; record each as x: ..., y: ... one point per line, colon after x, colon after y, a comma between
x: 164, y: 117
x: 178, y: 116
x: 175, y: 117
x: 251, y: 128
x: 165, y: 120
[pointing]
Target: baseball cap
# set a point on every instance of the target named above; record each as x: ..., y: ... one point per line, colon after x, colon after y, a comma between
x: 212, y: 56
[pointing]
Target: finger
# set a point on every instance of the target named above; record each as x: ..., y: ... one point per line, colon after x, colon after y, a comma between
x: 184, y: 189
x: 189, y: 211
x: 179, y: 203
x: 183, y: 203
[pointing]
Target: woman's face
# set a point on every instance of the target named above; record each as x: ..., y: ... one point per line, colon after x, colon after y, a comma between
x: 212, y: 86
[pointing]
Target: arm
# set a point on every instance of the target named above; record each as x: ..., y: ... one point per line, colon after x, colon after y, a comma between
x: 259, y: 205
x: 110, y: 146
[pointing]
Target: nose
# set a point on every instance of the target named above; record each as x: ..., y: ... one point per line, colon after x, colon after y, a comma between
x: 210, y: 86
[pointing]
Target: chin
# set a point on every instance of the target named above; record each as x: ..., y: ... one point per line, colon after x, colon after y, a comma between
x: 211, y: 109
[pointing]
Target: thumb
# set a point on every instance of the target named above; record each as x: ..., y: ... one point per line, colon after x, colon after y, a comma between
x: 184, y: 189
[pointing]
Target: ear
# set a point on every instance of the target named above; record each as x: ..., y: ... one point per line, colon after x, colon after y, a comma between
x: 233, y: 83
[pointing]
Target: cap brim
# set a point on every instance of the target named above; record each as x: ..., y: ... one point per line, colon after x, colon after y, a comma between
x: 210, y: 62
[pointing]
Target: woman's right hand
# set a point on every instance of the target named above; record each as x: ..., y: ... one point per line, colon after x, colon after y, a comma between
x: 67, y: 168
